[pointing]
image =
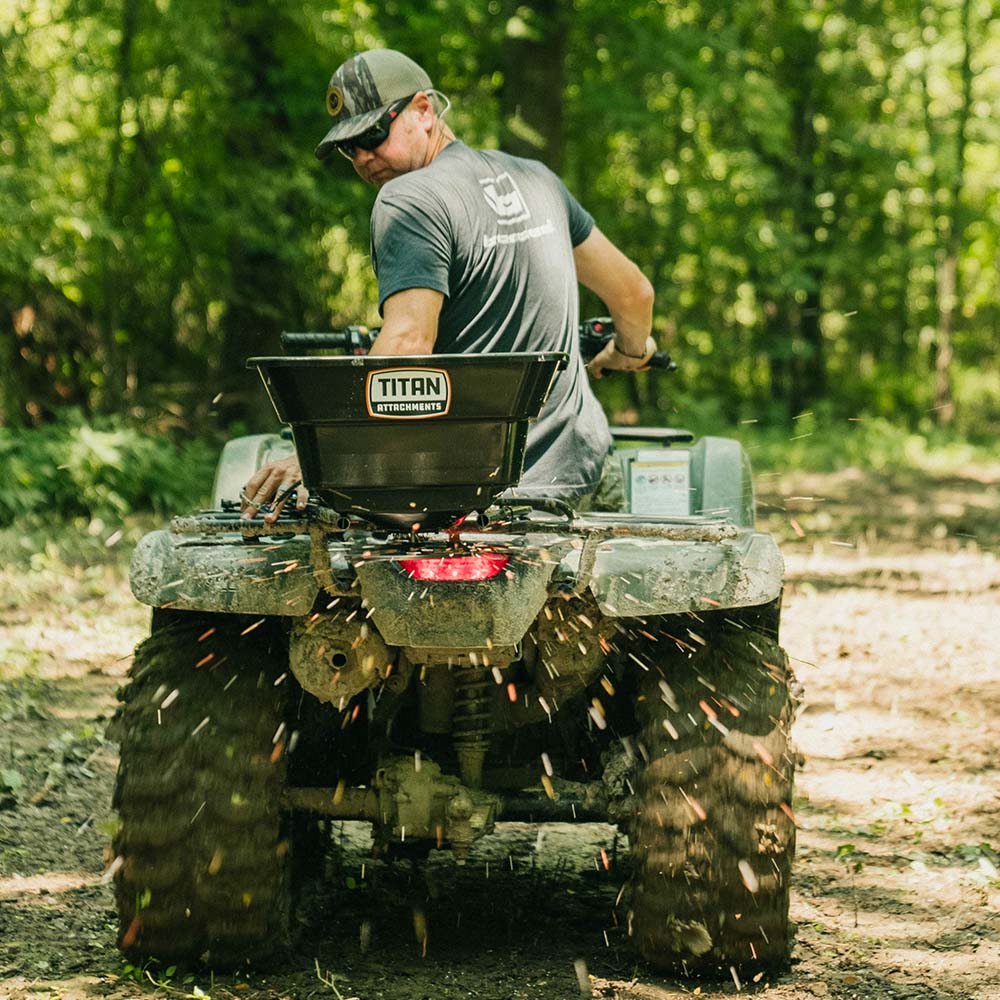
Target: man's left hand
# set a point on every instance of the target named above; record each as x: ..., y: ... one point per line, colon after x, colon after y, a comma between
x: 275, y: 481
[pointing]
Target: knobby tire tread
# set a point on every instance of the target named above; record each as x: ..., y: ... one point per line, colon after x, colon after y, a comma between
x: 202, y: 871
x: 712, y: 827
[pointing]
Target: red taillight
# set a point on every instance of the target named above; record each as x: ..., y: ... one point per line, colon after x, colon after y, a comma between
x: 481, y: 567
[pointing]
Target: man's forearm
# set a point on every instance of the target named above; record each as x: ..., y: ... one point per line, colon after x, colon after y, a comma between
x: 622, y: 287
x: 632, y: 313
x: 633, y: 319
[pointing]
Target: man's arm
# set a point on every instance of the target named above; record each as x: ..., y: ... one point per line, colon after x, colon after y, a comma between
x: 626, y: 291
x: 409, y: 322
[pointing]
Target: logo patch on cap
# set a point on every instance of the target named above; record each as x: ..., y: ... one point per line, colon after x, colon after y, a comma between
x: 334, y: 100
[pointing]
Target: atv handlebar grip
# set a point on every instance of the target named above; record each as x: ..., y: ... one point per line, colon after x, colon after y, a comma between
x: 313, y: 340
x: 660, y: 360
x: 592, y: 344
x: 597, y: 332
x: 663, y: 361
x: 354, y: 338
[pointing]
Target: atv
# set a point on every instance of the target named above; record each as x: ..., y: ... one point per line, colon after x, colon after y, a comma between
x: 425, y: 649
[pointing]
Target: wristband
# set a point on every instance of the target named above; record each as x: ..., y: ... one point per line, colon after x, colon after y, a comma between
x: 625, y: 354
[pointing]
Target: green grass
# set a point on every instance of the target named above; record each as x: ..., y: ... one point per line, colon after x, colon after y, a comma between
x: 827, y: 445
x: 43, y: 547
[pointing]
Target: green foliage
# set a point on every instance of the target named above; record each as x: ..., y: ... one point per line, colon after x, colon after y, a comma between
x: 11, y: 781
x: 793, y: 177
x: 24, y: 698
x: 165, y: 980
x: 849, y: 855
x: 98, y: 469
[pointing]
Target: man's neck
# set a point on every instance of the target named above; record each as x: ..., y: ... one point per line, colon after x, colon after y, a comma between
x: 443, y: 136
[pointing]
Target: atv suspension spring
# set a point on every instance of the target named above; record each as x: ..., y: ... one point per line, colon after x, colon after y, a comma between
x: 472, y: 722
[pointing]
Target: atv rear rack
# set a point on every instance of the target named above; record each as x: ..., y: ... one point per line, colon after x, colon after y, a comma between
x: 514, y: 520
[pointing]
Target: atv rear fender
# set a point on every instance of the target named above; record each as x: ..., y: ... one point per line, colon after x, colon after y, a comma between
x: 655, y: 569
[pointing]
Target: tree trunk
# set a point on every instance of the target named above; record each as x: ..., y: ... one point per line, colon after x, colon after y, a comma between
x: 947, y: 282
x: 902, y: 353
x: 948, y: 279
x: 778, y: 352
x: 17, y: 317
x: 114, y: 388
x: 263, y: 296
x: 531, y: 97
x: 807, y: 366
x: 947, y: 276
x: 810, y: 371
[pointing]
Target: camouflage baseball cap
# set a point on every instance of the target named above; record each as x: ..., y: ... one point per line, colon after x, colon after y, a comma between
x: 363, y: 87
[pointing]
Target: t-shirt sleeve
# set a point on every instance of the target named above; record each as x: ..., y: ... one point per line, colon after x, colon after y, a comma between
x: 411, y: 244
x: 581, y: 222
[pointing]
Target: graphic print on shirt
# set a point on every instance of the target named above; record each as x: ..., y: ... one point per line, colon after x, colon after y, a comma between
x: 408, y: 393
x: 504, y: 196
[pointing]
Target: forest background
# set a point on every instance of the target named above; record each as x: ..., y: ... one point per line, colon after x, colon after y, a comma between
x: 812, y: 187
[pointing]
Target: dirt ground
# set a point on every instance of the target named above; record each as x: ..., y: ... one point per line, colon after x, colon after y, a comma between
x: 892, y: 620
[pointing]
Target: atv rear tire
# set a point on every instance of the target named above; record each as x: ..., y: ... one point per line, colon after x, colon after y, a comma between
x: 202, y: 862
x: 714, y: 834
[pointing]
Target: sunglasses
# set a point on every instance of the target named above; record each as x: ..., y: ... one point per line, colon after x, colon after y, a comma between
x: 374, y: 135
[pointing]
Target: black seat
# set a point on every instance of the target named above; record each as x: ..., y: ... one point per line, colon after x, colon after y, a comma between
x: 662, y: 435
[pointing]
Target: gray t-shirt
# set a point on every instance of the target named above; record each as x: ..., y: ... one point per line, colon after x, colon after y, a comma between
x: 495, y: 235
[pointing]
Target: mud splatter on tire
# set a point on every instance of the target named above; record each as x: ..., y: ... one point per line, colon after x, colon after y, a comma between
x: 713, y: 831
x: 203, y: 858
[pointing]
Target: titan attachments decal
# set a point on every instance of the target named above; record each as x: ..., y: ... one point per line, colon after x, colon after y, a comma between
x: 408, y: 393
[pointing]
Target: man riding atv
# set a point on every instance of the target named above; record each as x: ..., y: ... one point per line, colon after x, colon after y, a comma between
x: 477, y: 251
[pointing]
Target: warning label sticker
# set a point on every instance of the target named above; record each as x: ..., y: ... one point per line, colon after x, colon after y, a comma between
x: 408, y: 393
x: 661, y: 482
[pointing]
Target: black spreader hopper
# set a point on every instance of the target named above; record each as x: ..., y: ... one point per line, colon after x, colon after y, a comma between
x: 414, y: 440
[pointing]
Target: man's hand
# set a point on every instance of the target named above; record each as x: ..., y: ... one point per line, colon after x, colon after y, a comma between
x: 611, y: 358
x: 274, y: 480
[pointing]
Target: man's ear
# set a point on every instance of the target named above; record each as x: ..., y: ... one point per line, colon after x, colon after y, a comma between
x: 421, y: 103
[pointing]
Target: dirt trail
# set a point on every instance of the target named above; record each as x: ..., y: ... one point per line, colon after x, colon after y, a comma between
x: 892, y: 618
